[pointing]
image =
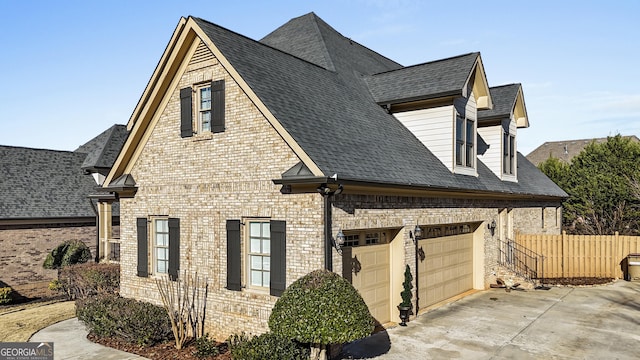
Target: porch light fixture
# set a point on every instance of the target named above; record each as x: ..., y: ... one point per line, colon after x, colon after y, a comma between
x: 339, y: 241
x: 417, y: 233
x: 492, y: 227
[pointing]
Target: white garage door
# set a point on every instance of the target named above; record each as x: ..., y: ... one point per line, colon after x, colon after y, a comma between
x: 372, y: 279
x: 447, y: 269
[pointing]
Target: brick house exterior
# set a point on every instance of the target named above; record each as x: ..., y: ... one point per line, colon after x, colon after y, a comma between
x: 291, y: 145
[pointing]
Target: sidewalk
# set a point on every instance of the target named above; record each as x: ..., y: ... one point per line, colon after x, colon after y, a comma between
x: 70, y: 341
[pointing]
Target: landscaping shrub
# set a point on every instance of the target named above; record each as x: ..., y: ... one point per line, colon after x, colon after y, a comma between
x: 68, y: 253
x: 268, y: 346
x: 321, y: 308
x: 83, y: 280
x: 206, y: 347
x: 5, y: 295
x: 131, y: 320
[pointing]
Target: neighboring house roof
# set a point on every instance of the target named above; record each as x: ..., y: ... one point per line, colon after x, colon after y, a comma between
x: 565, y: 150
x: 103, y: 150
x: 320, y: 100
x: 37, y: 183
x: 49, y: 184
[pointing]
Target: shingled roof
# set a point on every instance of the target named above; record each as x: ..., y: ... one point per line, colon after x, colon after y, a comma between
x: 103, y: 150
x: 37, y: 183
x: 430, y: 80
x: 321, y: 94
x: 50, y: 184
x: 565, y: 150
x: 504, y: 99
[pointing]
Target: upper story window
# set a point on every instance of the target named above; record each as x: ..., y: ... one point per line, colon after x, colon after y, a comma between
x: 508, y: 153
x: 465, y: 135
x: 204, y: 109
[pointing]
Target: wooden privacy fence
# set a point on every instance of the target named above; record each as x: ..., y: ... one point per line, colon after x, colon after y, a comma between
x: 599, y: 256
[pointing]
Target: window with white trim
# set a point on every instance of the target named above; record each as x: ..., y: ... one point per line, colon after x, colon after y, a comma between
x: 259, y: 254
x: 204, y: 109
x: 160, y: 245
x: 465, y: 136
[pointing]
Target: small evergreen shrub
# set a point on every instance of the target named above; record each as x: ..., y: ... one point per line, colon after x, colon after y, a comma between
x: 268, y: 346
x: 407, y: 286
x: 134, y: 321
x: 206, y: 347
x: 5, y: 295
x: 321, y: 308
x: 68, y: 253
x: 89, y: 279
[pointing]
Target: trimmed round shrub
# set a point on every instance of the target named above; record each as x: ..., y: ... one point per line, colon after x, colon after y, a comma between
x: 268, y: 346
x: 321, y: 308
x: 68, y: 253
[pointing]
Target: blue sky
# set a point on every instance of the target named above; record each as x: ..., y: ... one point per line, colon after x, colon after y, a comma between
x: 71, y: 69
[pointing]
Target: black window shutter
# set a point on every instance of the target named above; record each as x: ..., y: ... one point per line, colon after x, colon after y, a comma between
x: 143, y: 258
x: 278, y: 257
x: 186, y: 113
x: 234, y: 263
x: 174, y: 248
x: 347, y: 264
x: 217, y: 97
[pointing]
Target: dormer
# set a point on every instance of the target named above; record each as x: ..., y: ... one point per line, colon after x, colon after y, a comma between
x: 438, y: 102
x: 498, y: 129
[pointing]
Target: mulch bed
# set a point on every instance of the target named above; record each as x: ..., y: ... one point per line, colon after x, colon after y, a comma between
x: 163, y: 351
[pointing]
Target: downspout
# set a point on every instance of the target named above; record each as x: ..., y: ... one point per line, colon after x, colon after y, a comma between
x: 417, y: 276
x: 327, y: 194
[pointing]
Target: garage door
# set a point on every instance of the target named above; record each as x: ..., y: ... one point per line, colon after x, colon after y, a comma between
x: 447, y: 268
x: 371, y: 278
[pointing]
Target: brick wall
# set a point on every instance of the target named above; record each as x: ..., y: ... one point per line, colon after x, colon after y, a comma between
x: 24, y: 251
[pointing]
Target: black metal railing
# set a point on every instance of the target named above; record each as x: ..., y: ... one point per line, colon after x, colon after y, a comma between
x: 518, y: 259
x: 114, y: 250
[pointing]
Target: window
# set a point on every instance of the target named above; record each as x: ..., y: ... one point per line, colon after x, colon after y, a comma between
x: 265, y: 254
x: 204, y: 109
x: 161, y: 246
x: 162, y: 243
x: 465, y: 135
x: 259, y: 254
x: 208, y: 103
x: 508, y: 153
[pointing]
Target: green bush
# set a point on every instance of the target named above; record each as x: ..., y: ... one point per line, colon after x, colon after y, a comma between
x: 134, y: 321
x: 321, y: 308
x: 5, y: 295
x: 268, y: 346
x: 89, y: 279
x: 206, y: 347
x: 68, y: 253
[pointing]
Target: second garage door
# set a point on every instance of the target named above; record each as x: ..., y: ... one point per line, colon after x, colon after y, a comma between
x: 447, y: 268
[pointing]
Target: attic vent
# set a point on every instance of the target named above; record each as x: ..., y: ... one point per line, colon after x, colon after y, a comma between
x: 202, y: 54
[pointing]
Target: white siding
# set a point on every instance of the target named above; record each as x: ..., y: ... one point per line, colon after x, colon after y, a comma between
x: 434, y: 128
x: 492, y: 135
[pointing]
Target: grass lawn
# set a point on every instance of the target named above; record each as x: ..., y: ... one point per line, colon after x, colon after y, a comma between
x: 18, y: 323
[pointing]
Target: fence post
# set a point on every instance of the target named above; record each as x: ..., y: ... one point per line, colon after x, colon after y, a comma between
x: 617, y: 258
x: 564, y: 256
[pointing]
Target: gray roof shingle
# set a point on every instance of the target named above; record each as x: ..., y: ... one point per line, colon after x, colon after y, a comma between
x: 103, y: 150
x: 424, y: 81
x: 504, y: 99
x: 321, y: 98
x: 37, y: 183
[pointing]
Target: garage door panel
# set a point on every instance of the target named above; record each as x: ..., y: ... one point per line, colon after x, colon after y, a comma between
x: 447, y: 269
x: 372, y: 281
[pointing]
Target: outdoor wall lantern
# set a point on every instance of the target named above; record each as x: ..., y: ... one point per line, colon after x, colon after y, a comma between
x: 492, y: 227
x: 417, y: 233
x: 339, y: 241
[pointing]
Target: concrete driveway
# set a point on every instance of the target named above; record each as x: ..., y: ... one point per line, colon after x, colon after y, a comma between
x: 601, y: 322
